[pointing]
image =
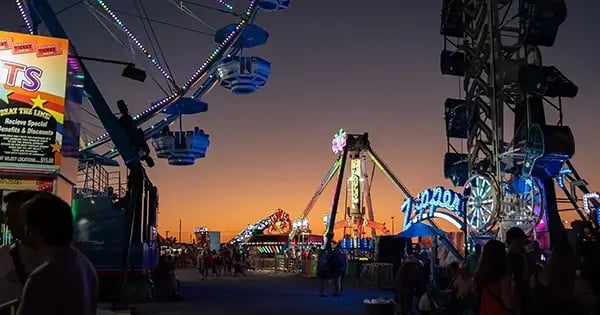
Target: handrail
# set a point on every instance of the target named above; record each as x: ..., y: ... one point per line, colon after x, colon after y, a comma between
x: 9, y: 307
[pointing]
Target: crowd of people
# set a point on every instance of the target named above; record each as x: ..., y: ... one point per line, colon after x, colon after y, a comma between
x: 226, y: 261
x: 498, y: 278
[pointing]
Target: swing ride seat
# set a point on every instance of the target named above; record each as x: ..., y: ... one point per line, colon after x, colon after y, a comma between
x: 548, y: 148
x: 273, y: 5
x: 252, y: 36
x: 244, y: 75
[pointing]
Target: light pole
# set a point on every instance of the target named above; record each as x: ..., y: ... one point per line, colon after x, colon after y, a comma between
x: 393, y: 233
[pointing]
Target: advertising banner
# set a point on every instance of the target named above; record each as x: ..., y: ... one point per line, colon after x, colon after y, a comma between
x: 33, y: 79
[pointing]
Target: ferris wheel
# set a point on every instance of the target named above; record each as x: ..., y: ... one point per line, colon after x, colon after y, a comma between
x: 179, y: 49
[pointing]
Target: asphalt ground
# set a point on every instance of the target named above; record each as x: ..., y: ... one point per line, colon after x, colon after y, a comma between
x: 260, y: 293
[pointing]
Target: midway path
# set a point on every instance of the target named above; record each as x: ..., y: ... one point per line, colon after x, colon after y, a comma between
x: 260, y: 293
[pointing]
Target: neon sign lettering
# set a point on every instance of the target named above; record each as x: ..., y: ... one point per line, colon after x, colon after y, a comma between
x: 428, y: 201
x: 355, y: 176
x: 338, y: 144
x: 16, y: 74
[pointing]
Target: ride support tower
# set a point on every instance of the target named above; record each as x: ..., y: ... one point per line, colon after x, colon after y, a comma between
x: 493, y: 46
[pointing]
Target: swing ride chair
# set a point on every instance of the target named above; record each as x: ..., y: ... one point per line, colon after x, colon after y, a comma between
x: 495, y: 53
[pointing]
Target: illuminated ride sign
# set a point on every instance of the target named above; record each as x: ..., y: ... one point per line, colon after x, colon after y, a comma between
x: 592, y: 198
x: 428, y: 204
x: 338, y: 144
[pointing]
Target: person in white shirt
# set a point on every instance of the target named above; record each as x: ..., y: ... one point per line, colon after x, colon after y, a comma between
x: 18, y: 260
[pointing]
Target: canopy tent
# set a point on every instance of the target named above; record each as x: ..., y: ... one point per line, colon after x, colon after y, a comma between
x: 420, y: 230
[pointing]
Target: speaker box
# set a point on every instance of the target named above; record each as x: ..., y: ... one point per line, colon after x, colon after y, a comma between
x: 389, y: 248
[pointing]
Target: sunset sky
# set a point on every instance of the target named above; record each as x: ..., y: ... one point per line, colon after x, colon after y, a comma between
x: 366, y: 66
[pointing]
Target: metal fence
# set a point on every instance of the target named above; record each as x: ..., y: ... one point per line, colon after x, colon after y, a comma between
x: 378, y: 275
x: 279, y: 263
x: 9, y: 308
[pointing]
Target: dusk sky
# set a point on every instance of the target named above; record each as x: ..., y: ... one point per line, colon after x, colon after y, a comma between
x: 366, y: 66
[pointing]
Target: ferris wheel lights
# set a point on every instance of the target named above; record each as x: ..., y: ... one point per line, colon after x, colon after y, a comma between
x: 24, y: 16
x: 273, y: 5
x: 133, y: 38
x: 453, y: 63
x: 225, y: 4
x: 545, y: 20
x: 452, y: 18
x: 546, y: 81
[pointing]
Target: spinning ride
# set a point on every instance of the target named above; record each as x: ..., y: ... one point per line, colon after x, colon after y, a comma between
x: 359, y: 217
x: 270, y: 235
x: 494, y: 45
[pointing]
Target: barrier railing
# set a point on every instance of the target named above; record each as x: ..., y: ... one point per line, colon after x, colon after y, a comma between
x: 9, y: 308
x: 378, y: 275
x: 279, y: 264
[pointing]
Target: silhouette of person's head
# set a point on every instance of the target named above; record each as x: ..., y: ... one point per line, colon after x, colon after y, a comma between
x: 15, y: 219
x: 48, y: 221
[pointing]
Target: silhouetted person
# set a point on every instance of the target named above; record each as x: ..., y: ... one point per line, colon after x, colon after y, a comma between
x: 473, y: 259
x: 405, y: 283
x: 18, y: 260
x: 492, y: 282
x: 136, y: 135
x: 67, y: 283
x: 517, y: 267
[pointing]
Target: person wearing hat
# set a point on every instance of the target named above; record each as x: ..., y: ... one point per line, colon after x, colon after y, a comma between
x: 517, y: 266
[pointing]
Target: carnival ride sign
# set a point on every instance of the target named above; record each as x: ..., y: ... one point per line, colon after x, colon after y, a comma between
x: 279, y: 223
x: 338, y: 144
x: 592, y: 198
x: 429, y: 202
x: 33, y: 76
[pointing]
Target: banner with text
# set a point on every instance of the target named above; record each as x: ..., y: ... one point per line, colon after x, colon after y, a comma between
x: 33, y: 79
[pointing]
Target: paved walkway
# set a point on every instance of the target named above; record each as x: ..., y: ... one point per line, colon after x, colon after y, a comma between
x: 260, y: 294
